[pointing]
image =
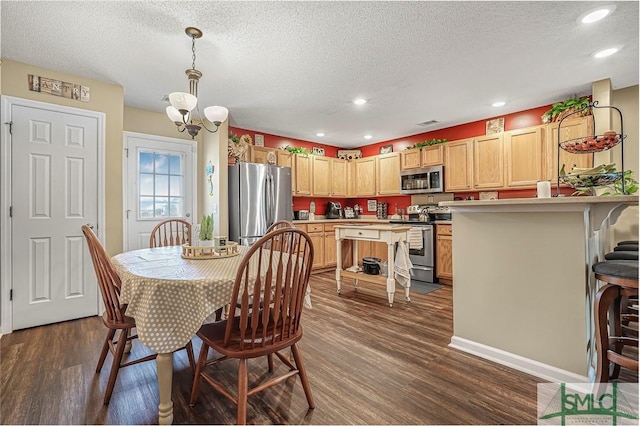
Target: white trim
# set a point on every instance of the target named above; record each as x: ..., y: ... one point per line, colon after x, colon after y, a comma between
x: 6, y: 322
x: 125, y: 176
x: 517, y: 362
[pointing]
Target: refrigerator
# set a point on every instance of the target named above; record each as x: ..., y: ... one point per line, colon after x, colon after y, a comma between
x: 259, y: 195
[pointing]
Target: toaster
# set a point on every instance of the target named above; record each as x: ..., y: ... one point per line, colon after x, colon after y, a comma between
x: 301, y: 215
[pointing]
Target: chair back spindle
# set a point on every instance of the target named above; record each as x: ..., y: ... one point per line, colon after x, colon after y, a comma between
x: 170, y: 232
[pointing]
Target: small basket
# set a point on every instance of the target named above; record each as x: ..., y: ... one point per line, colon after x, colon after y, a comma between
x: 589, y: 144
x: 210, y: 252
x: 587, y: 181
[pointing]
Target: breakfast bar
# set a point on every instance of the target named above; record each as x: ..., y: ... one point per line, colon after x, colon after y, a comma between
x: 524, y: 289
x: 388, y: 234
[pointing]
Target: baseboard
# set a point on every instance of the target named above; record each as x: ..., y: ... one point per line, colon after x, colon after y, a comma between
x: 517, y: 362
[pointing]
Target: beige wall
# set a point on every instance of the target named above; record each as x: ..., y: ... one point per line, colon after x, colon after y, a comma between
x: 106, y: 98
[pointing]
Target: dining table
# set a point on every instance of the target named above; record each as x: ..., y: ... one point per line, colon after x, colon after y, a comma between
x: 170, y: 297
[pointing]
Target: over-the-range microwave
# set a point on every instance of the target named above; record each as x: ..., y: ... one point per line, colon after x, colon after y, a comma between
x: 420, y: 181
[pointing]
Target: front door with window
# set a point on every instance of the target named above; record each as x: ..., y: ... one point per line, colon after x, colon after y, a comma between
x: 159, y: 184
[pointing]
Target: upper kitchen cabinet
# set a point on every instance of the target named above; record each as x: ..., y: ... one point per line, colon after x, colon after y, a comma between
x: 458, y: 169
x: 388, y: 174
x: 416, y: 158
x: 339, y: 177
x: 285, y: 158
x: 365, y: 173
x: 524, y: 152
x: 571, y: 129
x: 432, y: 155
x: 263, y: 155
x: 488, y: 162
x: 302, y: 168
x: 321, y: 181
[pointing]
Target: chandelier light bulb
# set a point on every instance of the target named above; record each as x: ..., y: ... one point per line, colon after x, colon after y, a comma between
x: 216, y: 114
x: 183, y: 101
x: 173, y: 114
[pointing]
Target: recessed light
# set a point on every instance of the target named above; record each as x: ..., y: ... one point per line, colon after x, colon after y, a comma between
x: 498, y: 104
x: 368, y: 136
x: 596, y: 14
x: 359, y: 101
x: 604, y: 53
x: 320, y: 134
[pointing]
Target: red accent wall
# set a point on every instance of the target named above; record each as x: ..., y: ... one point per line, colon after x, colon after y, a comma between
x: 517, y: 120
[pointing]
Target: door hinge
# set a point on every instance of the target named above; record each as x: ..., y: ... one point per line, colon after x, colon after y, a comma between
x: 11, y: 294
x: 10, y: 123
x: 126, y: 152
x: 10, y: 211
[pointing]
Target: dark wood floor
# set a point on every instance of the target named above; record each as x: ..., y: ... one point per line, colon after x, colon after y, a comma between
x: 367, y: 363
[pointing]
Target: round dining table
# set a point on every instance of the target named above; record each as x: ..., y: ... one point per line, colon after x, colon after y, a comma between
x: 170, y: 297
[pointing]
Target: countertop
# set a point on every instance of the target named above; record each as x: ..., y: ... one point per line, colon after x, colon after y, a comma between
x: 626, y: 199
x: 361, y: 220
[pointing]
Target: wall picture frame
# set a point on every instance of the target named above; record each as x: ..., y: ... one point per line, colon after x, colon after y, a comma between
x: 386, y: 149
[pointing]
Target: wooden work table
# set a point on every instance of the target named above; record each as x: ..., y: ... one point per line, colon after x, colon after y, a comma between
x: 389, y: 234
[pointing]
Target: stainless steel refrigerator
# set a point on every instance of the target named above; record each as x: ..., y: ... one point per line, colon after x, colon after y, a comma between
x: 259, y: 195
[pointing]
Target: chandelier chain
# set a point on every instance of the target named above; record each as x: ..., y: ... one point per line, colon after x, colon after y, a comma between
x: 193, y: 49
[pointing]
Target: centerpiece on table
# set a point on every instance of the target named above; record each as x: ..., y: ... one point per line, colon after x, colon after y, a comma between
x: 206, y: 231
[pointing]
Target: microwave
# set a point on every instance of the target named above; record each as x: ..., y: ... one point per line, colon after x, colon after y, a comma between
x: 421, y: 181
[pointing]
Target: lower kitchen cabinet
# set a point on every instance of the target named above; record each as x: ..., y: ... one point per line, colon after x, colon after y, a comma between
x: 444, y: 246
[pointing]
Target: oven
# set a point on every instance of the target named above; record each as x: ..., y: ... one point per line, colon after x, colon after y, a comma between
x: 423, y: 259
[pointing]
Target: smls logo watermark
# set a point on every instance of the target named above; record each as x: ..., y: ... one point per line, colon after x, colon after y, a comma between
x: 587, y: 404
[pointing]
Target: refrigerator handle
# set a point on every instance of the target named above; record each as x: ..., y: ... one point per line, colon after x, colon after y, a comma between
x: 272, y: 200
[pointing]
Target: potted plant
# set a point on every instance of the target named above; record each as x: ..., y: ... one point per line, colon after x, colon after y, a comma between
x: 206, y: 231
x: 566, y: 107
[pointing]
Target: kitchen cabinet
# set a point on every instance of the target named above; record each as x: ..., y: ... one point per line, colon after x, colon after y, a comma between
x: 351, y: 179
x: 302, y: 174
x: 285, y: 158
x: 444, y: 251
x: 571, y: 129
x: 365, y: 172
x: 488, y: 162
x: 458, y: 171
x: 388, y: 177
x: 339, y: 177
x: 426, y: 156
x: 524, y: 151
x: 262, y: 155
x: 316, y: 234
x: 432, y: 155
x: 321, y: 180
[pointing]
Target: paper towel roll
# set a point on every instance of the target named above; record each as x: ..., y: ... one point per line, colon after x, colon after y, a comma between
x: 544, y: 189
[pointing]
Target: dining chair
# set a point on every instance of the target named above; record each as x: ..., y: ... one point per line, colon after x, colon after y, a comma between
x: 114, y: 316
x: 279, y: 225
x: 280, y: 278
x: 170, y: 232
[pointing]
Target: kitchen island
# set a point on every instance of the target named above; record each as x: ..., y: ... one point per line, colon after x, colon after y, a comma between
x: 524, y: 290
x: 389, y: 234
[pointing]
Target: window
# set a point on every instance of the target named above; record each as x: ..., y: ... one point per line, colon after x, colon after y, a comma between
x: 160, y: 185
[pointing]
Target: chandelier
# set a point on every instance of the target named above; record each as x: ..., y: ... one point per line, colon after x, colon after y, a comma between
x: 183, y: 104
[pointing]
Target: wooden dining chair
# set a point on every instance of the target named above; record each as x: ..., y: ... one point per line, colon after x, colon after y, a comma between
x: 114, y: 316
x: 170, y: 232
x: 281, y: 283
x: 279, y: 225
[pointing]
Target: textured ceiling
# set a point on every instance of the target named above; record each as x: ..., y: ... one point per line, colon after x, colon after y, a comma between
x: 292, y: 68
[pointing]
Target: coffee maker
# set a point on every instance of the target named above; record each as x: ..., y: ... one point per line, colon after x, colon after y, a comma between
x: 333, y: 210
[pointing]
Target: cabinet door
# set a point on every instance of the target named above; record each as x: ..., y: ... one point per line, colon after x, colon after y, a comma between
x: 458, y: 171
x: 380, y: 250
x: 285, y: 159
x: 339, y: 177
x: 303, y: 174
x: 488, y: 162
x: 330, y: 250
x: 432, y: 155
x: 262, y: 155
x: 389, y: 174
x: 351, y: 179
x: 444, y: 263
x: 321, y: 176
x: 410, y: 159
x: 366, y: 176
x: 317, y: 238
x: 571, y: 129
x: 523, y: 150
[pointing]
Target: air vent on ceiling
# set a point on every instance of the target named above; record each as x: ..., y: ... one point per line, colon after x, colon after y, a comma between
x: 427, y: 123
x: 165, y: 98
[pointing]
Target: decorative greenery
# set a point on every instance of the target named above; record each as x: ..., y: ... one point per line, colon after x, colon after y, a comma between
x: 234, y: 138
x: 630, y: 187
x: 427, y: 143
x: 206, y: 228
x: 298, y: 150
x: 572, y: 104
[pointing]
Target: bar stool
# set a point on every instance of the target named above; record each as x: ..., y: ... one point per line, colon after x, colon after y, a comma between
x: 621, y: 277
x: 626, y: 247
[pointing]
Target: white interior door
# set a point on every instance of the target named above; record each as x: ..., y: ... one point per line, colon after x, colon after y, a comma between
x: 54, y: 187
x: 159, y: 184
